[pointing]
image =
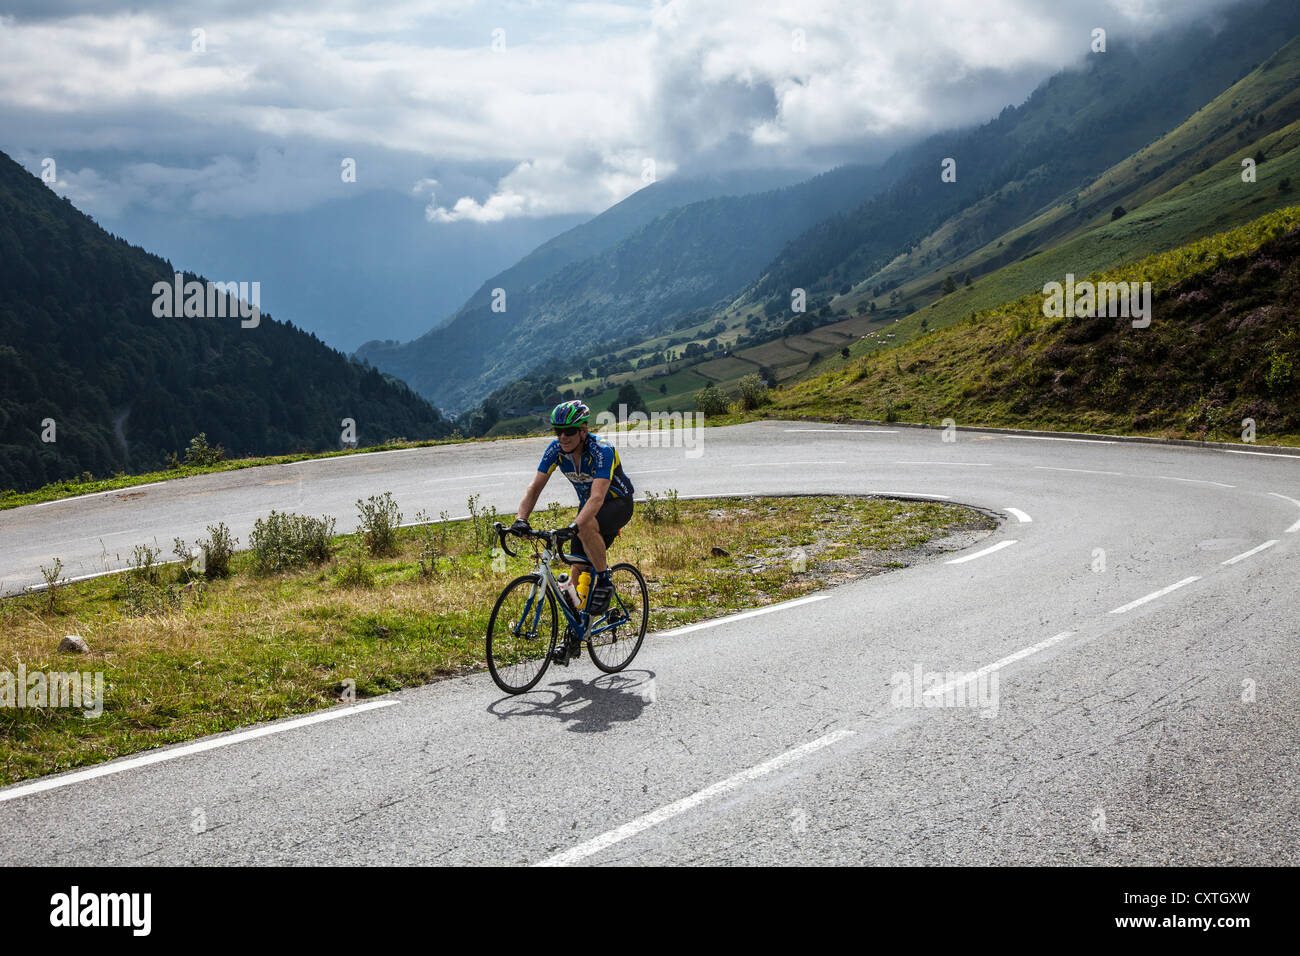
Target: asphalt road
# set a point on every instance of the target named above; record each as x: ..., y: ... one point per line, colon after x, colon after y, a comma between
x: 1128, y: 724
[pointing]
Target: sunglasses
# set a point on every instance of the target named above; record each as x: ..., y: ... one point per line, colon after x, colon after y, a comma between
x: 566, y: 432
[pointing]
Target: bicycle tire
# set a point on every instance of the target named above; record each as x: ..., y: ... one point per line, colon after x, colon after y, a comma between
x: 606, y: 654
x: 513, y: 651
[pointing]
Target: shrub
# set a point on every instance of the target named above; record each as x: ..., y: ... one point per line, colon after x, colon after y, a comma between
x: 52, y: 582
x: 1279, y: 374
x: 201, y: 453
x: 711, y: 401
x: 379, y: 521
x: 753, y: 393
x: 353, y: 572
x: 662, y: 508
x: 285, y: 540
x: 218, y: 549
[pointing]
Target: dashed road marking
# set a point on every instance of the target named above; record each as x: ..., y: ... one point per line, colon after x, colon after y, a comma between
x: 979, y: 554
x: 1243, y: 556
x: 656, y: 817
x: 1155, y: 594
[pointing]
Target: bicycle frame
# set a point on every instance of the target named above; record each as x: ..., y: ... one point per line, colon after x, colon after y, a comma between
x: 579, y: 621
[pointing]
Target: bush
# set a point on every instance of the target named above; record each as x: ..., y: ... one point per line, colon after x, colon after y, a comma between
x: 201, y: 453
x: 663, y: 508
x: 354, y: 572
x: 711, y: 401
x: 753, y: 393
x: 379, y: 521
x: 285, y: 540
x: 218, y: 549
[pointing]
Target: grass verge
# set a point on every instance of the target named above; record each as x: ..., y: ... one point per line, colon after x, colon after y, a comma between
x: 181, y: 662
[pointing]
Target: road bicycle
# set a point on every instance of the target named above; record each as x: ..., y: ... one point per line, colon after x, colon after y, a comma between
x: 524, y: 628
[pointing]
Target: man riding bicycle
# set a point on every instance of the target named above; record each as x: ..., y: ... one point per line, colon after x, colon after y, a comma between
x: 604, y: 497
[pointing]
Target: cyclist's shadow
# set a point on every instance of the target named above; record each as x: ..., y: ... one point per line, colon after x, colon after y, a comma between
x: 587, y: 706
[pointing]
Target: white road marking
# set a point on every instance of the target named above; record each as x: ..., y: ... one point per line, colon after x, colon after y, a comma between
x: 1201, y: 481
x: 1266, y: 454
x: 97, y: 494
x: 988, y: 669
x: 491, y: 474
x: 35, y: 588
x: 1153, y: 595
x: 654, y: 471
x: 848, y: 431
x: 909, y: 494
x: 656, y: 817
x: 364, y: 454
x: 199, y: 746
x: 687, y: 628
x: 1090, y: 441
x: 1081, y: 471
x: 970, y: 464
x: 782, y: 464
x: 1020, y: 515
x: 979, y: 554
x: 1295, y: 527
x: 1247, y: 554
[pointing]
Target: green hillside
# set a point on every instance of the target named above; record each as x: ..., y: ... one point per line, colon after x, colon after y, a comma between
x: 80, y: 345
x: 1223, y: 346
x: 1030, y: 219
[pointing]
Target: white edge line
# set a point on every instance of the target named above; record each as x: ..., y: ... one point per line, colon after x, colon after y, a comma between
x: 655, y: 817
x: 100, y: 494
x: 909, y: 494
x: 1154, y: 594
x: 1080, y: 471
x: 687, y: 628
x: 1020, y: 516
x: 1252, y: 551
x: 1266, y: 454
x: 1090, y: 441
x: 1198, y: 481
x: 979, y: 554
x: 989, y: 668
x: 1295, y: 527
x: 172, y: 753
x: 350, y: 457
x: 847, y: 431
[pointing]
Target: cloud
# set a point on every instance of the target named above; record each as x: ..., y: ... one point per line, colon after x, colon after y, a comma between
x: 562, y: 116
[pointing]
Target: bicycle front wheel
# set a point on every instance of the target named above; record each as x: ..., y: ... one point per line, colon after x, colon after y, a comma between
x: 616, y: 636
x: 521, y: 634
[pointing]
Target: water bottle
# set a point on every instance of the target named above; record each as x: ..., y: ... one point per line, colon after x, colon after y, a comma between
x: 568, y: 590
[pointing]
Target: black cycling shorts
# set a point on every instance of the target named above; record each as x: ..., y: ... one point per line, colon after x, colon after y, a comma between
x: 613, y: 514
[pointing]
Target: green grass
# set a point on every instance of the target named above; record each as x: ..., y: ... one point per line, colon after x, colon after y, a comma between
x: 1194, y: 376
x: 251, y: 648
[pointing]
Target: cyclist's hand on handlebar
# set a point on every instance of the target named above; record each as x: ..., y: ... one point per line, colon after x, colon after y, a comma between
x: 520, y: 526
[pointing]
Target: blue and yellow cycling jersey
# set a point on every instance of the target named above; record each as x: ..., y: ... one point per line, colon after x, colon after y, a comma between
x: 598, y: 459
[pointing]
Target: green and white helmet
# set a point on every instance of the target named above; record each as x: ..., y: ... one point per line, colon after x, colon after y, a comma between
x: 570, y: 414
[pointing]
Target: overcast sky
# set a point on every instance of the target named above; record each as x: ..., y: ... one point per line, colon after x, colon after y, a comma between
x: 491, y: 111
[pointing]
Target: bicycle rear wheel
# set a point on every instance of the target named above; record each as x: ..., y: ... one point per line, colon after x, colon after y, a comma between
x: 616, y: 635
x: 521, y: 634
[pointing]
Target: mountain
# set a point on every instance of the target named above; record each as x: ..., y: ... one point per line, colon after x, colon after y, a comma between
x: 1222, y: 347
x: 81, y: 346
x: 1075, y: 125
x: 597, y: 286
x: 1172, y: 189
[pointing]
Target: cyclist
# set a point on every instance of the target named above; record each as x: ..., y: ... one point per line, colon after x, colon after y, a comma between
x: 604, y: 497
